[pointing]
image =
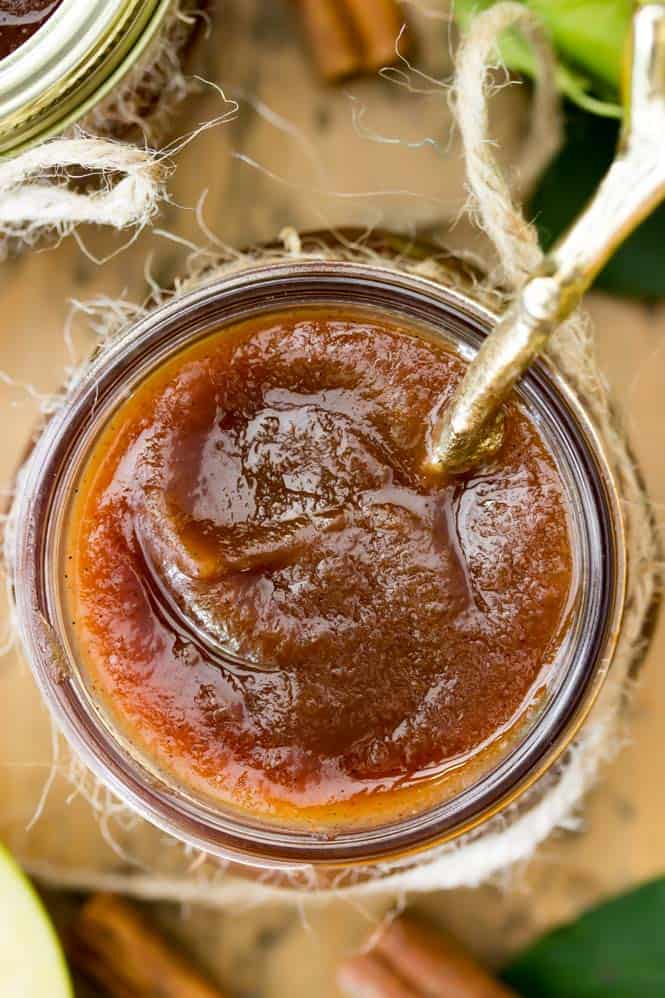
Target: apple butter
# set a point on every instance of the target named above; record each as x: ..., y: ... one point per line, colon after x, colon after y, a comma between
x: 276, y: 601
x: 19, y: 19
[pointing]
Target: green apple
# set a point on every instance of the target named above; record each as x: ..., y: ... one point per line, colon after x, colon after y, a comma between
x: 32, y: 964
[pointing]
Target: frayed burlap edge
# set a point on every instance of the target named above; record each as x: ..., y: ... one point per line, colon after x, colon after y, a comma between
x: 143, y: 105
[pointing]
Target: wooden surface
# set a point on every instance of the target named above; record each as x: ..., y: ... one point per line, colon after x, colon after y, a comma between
x: 315, y: 158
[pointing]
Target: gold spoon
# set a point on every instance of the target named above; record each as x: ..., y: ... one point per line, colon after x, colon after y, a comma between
x: 470, y: 428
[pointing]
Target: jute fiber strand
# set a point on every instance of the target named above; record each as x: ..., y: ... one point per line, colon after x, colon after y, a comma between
x: 36, y: 195
x: 147, y: 863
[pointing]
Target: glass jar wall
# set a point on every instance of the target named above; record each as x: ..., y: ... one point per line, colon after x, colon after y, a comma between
x: 456, y: 319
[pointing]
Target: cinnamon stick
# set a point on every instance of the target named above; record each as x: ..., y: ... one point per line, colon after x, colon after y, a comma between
x: 367, y: 977
x: 377, y: 24
x: 331, y: 38
x: 426, y: 963
x: 116, y: 948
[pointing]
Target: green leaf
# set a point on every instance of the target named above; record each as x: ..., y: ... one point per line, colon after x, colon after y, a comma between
x: 614, y: 951
x: 576, y: 88
x: 591, y: 33
x: 589, y: 37
x: 638, y: 267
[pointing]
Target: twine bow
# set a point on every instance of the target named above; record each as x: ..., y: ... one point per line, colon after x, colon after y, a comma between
x: 36, y: 191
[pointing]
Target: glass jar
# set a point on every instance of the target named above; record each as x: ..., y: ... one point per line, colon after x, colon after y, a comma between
x: 454, y: 315
x: 74, y: 60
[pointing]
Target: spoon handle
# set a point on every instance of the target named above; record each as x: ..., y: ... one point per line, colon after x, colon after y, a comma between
x: 471, y: 427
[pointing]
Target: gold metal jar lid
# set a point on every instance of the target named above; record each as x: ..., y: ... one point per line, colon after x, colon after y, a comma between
x: 70, y: 64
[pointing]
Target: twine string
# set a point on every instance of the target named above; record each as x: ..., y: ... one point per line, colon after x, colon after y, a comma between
x: 490, y: 198
x: 35, y: 193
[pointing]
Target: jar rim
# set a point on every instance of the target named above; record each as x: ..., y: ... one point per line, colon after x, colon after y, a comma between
x: 69, y: 64
x: 39, y: 503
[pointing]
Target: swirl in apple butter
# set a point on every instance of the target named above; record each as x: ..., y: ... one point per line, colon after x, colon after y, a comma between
x: 276, y: 601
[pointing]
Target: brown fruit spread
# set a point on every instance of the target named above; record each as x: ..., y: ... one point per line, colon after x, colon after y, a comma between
x: 276, y: 602
x: 19, y: 19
